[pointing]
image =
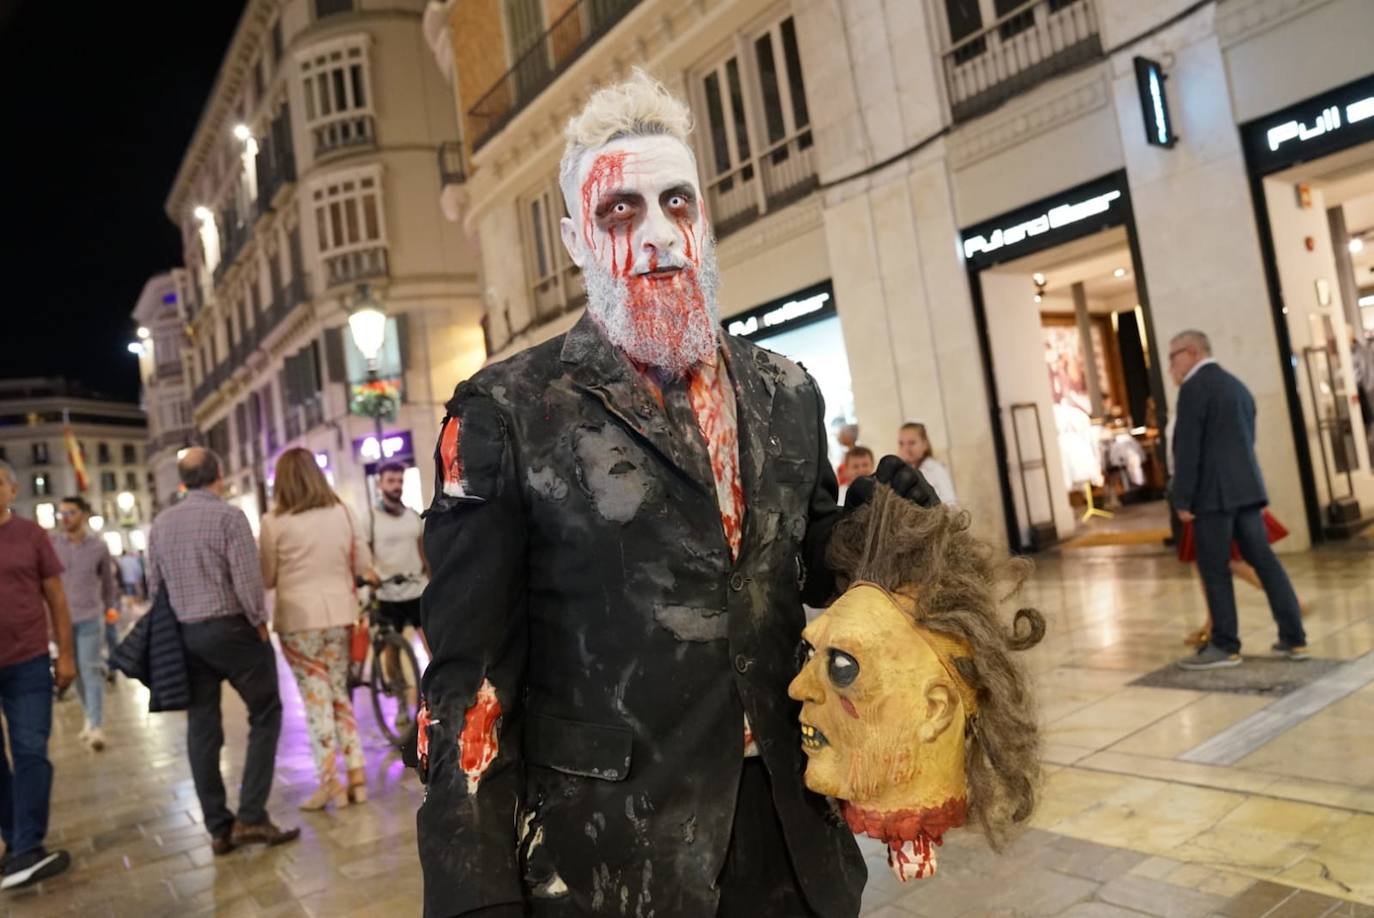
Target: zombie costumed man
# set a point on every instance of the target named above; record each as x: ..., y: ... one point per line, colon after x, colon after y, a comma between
x: 626, y: 523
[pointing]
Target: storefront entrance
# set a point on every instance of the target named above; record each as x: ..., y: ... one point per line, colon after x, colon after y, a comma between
x: 1071, y: 359
x: 805, y: 327
x: 1312, y: 169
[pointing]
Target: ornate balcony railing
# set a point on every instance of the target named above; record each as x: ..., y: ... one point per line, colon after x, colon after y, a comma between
x: 1030, y: 44
x: 343, y: 133
x: 780, y: 175
x: 585, y: 22
x: 359, y: 264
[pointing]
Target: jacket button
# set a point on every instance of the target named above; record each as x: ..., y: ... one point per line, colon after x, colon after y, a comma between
x: 742, y: 663
x: 737, y: 582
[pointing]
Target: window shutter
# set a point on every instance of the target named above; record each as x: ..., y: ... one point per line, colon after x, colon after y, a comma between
x: 335, y: 364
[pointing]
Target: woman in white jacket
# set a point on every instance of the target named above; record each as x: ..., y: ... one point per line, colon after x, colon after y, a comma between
x: 311, y: 551
x: 914, y: 447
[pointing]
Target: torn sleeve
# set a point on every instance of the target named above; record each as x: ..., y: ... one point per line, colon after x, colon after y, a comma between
x: 474, y: 617
x: 818, y: 581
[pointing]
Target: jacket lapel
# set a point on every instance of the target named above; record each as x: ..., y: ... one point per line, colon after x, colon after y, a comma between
x: 600, y: 370
x: 754, y: 389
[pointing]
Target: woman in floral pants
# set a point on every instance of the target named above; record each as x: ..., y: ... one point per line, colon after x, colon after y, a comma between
x: 311, y: 552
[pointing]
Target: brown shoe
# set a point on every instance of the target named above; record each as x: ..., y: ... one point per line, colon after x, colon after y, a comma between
x: 261, y: 833
x: 222, y: 845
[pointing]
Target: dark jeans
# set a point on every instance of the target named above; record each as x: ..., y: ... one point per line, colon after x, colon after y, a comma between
x: 1214, y: 533
x: 216, y: 650
x: 758, y: 879
x: 26, y: 698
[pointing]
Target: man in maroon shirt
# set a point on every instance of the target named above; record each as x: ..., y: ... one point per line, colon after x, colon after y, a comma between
x: 29, y: 578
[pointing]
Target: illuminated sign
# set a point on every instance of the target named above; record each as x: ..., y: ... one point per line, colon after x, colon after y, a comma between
x: 1053, y: 218
x: 1149, y: 78
x: 793, y: 311
x: 787, y: 312
x: 1328, y: 121
x: 1320, y: 126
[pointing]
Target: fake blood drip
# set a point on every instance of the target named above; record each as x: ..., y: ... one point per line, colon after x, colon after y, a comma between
x: 477, y: 744
x: 451, y: 458
x: 911, y: 835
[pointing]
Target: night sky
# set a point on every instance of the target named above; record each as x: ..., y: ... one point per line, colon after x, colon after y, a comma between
x: 98, y: 104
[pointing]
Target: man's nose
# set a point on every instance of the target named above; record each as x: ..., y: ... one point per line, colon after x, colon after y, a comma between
x: 659, y: 234
x: 806, y: 687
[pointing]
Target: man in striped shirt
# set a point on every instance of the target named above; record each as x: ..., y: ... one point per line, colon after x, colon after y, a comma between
x: 202, y: 551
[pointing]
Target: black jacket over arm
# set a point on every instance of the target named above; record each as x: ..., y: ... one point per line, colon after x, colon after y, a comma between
x: 1215, y: 470
x: 584, y: 571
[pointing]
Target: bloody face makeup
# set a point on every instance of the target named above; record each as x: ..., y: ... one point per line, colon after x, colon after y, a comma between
x: 641, y: 238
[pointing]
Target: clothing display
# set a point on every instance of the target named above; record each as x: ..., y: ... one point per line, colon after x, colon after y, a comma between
x: 1079, y: 452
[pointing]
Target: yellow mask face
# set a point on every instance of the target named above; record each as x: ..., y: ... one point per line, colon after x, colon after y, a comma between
x: 882, y: 717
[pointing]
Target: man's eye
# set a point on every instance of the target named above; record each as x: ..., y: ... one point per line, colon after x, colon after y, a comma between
x: 677, y: 201
x: 621, y: 209
x: 842, y: 669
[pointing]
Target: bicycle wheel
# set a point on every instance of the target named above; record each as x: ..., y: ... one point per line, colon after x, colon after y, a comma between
x: 395, y: 687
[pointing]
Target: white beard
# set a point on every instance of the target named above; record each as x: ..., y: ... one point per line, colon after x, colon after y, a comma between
x: 663, y: 324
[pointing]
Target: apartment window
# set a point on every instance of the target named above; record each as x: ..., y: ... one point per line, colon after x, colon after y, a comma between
x: 102, y: 453
x: 758, y: 156
x: 338, y: 109
x: 4, y: 454
x: 130, y: 454
x: 259, y: 78
x: 325, y: 8
x: 555, y: 282
x: 524, y: 29
x: 131, y: 481
x: 349, y: 226
x: 42, y: 485
x: 108, y: 481
x: 277, y: 44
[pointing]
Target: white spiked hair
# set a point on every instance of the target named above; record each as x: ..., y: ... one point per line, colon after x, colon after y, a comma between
x: 637, y: 107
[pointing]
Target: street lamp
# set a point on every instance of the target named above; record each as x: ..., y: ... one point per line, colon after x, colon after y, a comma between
x: 125, y: 500
x: 367, y: 326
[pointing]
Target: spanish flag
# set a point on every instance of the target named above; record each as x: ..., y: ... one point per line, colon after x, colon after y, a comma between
x: 74, y: 456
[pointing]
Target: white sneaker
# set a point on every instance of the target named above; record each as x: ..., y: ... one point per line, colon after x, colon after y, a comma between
x: 85, y: 731
x: 96, y: 739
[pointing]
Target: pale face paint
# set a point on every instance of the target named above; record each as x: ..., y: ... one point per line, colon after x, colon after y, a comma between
x: 642, y: 239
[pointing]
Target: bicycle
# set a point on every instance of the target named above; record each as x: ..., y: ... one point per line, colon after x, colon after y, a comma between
x: 395, y: 687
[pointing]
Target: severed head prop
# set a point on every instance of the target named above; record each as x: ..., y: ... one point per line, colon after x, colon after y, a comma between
x: 915, y: 717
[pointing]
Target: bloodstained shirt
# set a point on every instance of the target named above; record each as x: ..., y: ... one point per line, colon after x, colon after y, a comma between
x: 713, y: 402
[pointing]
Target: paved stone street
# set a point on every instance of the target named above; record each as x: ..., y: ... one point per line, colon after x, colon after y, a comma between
x: 1131, y: 823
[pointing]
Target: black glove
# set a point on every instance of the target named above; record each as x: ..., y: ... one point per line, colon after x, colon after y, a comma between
x: 897, y: 475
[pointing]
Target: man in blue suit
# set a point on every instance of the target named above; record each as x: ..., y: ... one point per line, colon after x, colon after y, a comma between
x: 1218, y: 488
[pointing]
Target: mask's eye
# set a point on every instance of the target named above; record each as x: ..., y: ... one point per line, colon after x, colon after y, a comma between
x: 843, y: 669
x: 621, y: 209
x: 804, y: 653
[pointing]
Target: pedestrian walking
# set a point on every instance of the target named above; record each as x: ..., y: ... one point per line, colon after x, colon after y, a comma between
x: 131, y: 572
x: 312, y: 551
x: 1219, y: 489
x: 31, y: 602
x: 913, y: 445
x: 397, y: 540
x: 201, y: 550
x: 88, y: 579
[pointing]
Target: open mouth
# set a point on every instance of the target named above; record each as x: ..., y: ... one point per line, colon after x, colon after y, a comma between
x: 812, y: 738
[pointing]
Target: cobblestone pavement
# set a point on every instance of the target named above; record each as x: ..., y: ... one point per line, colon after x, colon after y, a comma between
x: 1126, y: 827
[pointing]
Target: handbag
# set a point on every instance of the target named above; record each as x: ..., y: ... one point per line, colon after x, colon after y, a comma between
x: 359, y: 639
